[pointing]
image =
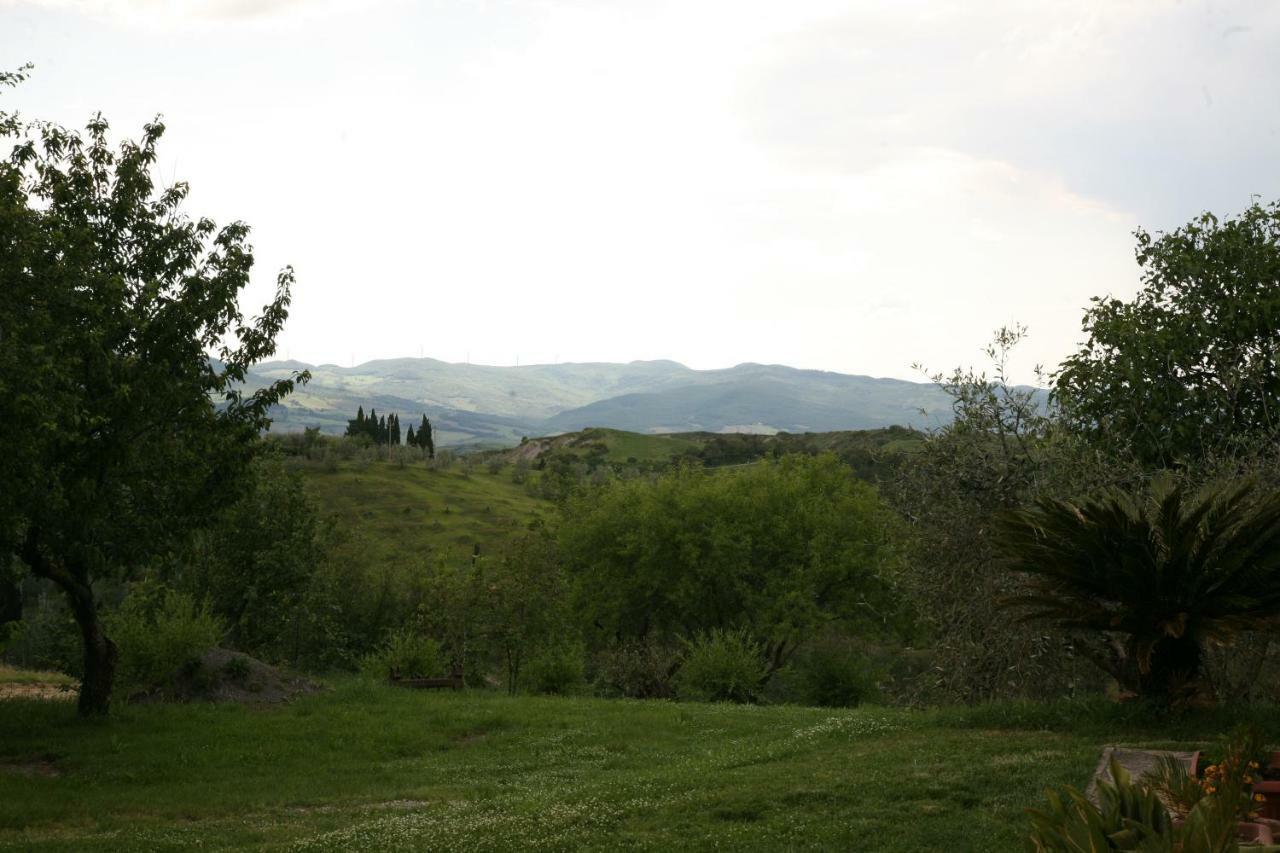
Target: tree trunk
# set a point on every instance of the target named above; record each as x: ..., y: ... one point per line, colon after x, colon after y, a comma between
x: 99, y: 651
x: 1175, y: 675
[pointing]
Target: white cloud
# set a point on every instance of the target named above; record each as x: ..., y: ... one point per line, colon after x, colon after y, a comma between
x: 847, y: 186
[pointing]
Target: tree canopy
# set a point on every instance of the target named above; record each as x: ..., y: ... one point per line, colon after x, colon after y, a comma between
x: 121, y: 430
x: 1187, y: 367
x: 776, y: 548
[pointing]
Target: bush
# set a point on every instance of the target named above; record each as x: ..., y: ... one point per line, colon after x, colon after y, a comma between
x: 555, y: 670
x: 722, y: 666
x: 832, y: 672
x: 406, y: 653
x: 159, y: 631
x: 46, y: 637
x: 637, y: 670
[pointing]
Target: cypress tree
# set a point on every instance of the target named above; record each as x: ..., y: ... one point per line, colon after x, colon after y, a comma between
x: 395, y: 430
x: 411, y: 439
x: 356, y: 427
x: 382, y: 430
x: 430, y: 443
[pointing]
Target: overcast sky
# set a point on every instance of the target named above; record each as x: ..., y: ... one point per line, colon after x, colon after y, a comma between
x: 846, y: 186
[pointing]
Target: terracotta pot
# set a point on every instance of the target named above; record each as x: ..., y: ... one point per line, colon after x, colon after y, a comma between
x: 1270, y: 789
x: 1254, y: 833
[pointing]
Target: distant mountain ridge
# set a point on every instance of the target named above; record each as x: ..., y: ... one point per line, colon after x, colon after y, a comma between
x: 483, y: 404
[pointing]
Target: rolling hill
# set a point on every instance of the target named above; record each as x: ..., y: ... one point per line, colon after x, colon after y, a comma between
x: 495, y: 406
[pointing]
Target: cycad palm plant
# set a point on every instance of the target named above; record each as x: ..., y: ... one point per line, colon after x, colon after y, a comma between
x: 1156, y: 577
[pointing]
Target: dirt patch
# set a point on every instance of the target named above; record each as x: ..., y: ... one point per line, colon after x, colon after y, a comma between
x: 39, y: 690
x: 222, y: 675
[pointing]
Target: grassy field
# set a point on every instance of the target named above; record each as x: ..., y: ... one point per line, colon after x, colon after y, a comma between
x: 641, y: 447
x: 370, y: 767
x: 405, y: 514
x: 11, y: 675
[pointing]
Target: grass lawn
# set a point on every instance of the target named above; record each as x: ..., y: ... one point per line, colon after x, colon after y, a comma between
x: 11, y: 675
x: 370, y: 767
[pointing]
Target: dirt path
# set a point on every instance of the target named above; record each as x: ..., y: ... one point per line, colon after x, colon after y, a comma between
x: 38, y: 690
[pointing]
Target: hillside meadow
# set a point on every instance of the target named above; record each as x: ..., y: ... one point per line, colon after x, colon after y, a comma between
x: 411, y: 513
x: 363, y: 766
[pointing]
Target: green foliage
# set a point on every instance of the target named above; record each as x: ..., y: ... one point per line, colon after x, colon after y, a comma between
x: 120, y: 432
x: 775, y: 548
x: 556, y: 668
x: 1164, y: 575
x: 722, y: 666
x: 1230, y: 771
x: 830, y: 671
x: 636, y: 669
x: 236, y: 670
x: 255, y: 564
x: 1129, y: 816
x: 1001, y: 452
x: 521, y: 604
x: 1189, y: 366
x: 46, y: 637
x: 159, y: 630
x: 406, y: 653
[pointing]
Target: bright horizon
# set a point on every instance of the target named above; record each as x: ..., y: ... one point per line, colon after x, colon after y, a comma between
x: 850, y: 187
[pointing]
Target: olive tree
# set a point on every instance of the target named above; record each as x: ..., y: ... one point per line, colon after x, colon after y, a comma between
x: 120, y: 429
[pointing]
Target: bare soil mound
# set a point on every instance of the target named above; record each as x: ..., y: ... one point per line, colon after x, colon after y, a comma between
x: 221, y: 675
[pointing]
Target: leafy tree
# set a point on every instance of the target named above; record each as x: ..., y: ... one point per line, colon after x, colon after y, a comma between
x: 111, y: 298
x: 1148, y: 583
x: 523, y: 599
x: 1188, y: 366
x: 255, y: 563
x: 777, y: 549
x: 1001, y: 451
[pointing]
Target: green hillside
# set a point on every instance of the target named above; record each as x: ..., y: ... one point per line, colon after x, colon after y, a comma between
x: 871, y: 453
x: 411, y: 513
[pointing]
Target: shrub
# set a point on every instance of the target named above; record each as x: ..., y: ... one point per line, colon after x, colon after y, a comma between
x: 831, y: 672
x: 236, y: 669
x: 159, y: 631
x: 46, y: 637
x: 722, y: 666
x: 1130, y: 816
x: 557, y: 669
x: 406, y: 653
x: 637, y: 670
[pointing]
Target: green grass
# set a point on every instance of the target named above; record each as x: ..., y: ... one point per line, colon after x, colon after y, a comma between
x: 369, y: 767
x: 12, y: 675
x: 642, y: 447
x: 406, y: 514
